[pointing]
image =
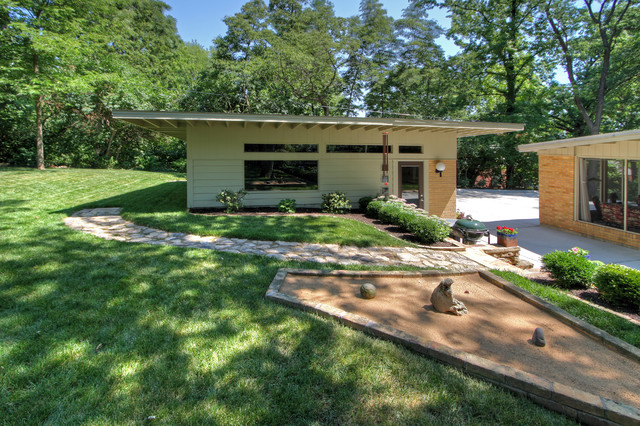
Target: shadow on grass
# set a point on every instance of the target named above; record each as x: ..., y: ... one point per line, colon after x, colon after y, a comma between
x: 164, y: 207
x: 95, y: 331
x: 149, y: 329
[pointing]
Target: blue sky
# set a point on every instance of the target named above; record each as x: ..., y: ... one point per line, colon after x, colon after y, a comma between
x: 201, y: 20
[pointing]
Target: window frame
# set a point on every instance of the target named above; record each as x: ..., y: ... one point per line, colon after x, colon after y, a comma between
x: 624, y: 189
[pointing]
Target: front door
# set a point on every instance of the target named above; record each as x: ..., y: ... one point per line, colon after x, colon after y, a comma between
x: 410, y: 182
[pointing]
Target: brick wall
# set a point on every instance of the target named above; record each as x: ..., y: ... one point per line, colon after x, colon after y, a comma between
x: 442, y: 190
x: 557, y: 197
x: 557, y: 181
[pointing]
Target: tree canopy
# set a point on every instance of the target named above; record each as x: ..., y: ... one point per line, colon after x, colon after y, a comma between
x: 562, y: 68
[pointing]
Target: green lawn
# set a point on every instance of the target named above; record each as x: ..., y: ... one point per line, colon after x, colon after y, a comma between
x: 163, y: 206
x: 308, y: 229
x: 103, y: 332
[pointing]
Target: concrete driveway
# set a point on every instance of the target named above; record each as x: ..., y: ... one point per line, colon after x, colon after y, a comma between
x: 519, y: 209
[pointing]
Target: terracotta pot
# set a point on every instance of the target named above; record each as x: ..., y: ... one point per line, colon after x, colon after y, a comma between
x: 508, y: 240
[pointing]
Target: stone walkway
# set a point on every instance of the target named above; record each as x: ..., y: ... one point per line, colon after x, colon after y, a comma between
x: 108, y: 224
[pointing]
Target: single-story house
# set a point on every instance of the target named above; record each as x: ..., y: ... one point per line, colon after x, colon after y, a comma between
x: 589, y: 185
x: 276, y: 157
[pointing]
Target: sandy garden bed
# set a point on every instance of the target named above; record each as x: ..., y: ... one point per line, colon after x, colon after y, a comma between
x: 498, y: 328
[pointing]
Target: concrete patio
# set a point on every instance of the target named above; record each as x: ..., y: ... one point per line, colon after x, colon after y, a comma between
x: 519, y: 209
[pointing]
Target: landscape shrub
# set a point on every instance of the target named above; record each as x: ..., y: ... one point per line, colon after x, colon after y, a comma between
x: 373, y: 209
x: 364, y: 203
x: 570, y: 270
x: 232, y: 201
x: 618, y: 284
x: 335, y: 202
x: 428, y: 229
x: 389, y: 212
x: 404, y: 217
x: 287, y: 206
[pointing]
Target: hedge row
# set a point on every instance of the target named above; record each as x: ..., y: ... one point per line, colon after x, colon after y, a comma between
x: 617, y: 284
x: 394, y: 211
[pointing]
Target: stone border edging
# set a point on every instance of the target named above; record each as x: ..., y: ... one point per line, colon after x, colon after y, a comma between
x: 107, y: 223
x: 577, y: 404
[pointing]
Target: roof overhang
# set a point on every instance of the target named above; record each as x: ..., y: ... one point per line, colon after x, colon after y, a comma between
x: 582, y: 141
x: 176, y: 123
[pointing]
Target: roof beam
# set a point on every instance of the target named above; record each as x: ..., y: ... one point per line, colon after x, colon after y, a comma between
x: 151, y: 123
x: 171, y: 123
x: 294, y: 125
x: 356, y: 126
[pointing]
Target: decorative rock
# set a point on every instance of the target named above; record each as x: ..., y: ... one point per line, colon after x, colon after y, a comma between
x: 443, y: 301
x: 368, y: 291
x: 538, y: 337
x: 108, y: 224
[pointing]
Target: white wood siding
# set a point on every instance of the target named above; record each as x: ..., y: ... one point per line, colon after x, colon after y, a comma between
x: 616, y: 150
x: 215, y: 160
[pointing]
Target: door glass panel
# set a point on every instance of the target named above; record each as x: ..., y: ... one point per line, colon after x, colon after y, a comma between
x: 411, y: 184
x: 633, y: 196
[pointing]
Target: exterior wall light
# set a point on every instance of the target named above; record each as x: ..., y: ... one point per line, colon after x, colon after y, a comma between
x: 440, y: 167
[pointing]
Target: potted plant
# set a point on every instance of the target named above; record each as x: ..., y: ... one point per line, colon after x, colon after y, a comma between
x: 507, y: 237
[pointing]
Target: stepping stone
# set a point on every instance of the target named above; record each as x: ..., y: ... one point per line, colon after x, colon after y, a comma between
x: 538, y: 337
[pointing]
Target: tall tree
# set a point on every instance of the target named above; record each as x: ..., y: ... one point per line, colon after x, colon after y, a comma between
x: 414, y: 82
x: 587, y: 39
x: 52, y: 42
x: 369, y: 49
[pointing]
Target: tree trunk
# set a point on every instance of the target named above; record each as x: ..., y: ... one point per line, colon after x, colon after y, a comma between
x: 39, y: 138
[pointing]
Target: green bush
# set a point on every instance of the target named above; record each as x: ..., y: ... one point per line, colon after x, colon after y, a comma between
x: 364, y: 203
x: 232, y: 201
x: 404, y: 217
x: 287, y: 206
x: 373, y: 209
x: 428, y: 229
x: 389, y: 212
x: 335, y: 202
x: 618, y: 284
x: 570, y: 270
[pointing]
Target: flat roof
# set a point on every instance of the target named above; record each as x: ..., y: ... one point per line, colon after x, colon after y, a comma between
x: 176, y: 123
x: 581, y: 141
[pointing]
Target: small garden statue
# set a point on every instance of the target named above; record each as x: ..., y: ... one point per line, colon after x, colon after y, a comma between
x: 443, y: 301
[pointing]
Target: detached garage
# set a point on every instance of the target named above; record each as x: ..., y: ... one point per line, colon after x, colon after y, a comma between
x: 274, y: 157
x: 590, y: 185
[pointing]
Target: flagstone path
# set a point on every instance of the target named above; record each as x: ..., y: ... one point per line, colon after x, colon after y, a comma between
x: 108, y: 224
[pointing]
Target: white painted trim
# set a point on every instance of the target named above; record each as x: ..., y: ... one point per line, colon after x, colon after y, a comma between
x: 581, y: 141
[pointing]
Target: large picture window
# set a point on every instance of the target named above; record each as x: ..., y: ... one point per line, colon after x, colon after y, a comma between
x: 368, y: 149
x: 280, y: 175
x: 610, y: 193
x: 279, y: 147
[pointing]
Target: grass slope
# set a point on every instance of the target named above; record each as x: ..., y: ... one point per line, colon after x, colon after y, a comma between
x: 163, y: 206
x: 103, y: 332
